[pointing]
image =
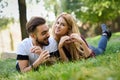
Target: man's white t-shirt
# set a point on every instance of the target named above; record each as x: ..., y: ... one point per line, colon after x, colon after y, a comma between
x: 25, y: 46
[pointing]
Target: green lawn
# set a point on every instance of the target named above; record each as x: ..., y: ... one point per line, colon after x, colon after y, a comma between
x: 103, y: 67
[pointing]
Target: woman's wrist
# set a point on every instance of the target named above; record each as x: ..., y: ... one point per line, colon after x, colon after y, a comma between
x: 60, y: 46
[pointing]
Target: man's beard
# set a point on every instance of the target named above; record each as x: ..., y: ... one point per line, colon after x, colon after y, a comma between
x: 42, y: 43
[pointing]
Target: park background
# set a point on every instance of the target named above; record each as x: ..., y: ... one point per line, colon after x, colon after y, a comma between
x: 89, y: 14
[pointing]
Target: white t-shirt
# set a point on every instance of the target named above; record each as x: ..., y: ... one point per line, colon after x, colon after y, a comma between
x: 25, y: 46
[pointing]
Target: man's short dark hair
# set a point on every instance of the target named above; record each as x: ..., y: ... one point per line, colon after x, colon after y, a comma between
x: 33, y: 23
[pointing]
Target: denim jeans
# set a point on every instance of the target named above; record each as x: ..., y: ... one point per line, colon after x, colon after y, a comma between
x: 101, y: 45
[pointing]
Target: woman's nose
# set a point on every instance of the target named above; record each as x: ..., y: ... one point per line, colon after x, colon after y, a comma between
x: 58, y: 25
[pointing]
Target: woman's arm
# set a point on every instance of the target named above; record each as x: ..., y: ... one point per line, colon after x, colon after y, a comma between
x: 62, y: 54
x: 60, y: 48
x: 86, y: 50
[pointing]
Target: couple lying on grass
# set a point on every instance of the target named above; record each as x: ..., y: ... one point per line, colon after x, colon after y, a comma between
x: 65, y: 44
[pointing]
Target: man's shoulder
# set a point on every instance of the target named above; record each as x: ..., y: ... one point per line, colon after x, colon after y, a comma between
x: 26, y: 41
x: 52, y: 41
x: 24, y: 46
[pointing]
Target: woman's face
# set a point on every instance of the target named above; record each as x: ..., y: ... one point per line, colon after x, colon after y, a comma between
x: 61, y: 27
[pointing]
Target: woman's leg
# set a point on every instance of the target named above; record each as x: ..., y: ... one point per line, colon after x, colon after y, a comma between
x: 106, y: 34
x: 103, y: 42
x: 97, y: 51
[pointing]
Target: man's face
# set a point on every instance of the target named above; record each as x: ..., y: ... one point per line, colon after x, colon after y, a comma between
x: 42, y: 35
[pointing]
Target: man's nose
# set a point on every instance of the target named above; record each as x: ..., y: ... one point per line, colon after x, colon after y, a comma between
x: 48, y: 34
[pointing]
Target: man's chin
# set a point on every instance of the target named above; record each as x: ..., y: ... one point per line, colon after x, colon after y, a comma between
x: 46, y: 44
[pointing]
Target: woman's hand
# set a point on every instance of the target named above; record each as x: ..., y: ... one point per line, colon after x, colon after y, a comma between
x: 76, y: 38
x: 64, y: 39
x: 36, y: 50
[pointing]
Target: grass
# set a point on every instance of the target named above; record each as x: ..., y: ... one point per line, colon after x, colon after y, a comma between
x: 103, y: 67
x: 7, y: 68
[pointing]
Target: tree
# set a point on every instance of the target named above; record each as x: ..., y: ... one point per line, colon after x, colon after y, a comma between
x: 3, y: 4
x: 3, y: 25
x: 94, y: 10
x: 22, y: 17
x: 87, y: 10
x: 53, y: 7
x: 90, y: 13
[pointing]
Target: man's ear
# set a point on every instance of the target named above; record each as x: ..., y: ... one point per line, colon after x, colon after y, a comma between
x: 32, y: 35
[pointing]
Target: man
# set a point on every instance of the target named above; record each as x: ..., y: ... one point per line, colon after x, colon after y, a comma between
x: 36, y: 49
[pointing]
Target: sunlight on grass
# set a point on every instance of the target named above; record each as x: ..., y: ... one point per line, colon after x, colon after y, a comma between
x: 103, y: 67
x: 93, y: 41
x: 117, y: 34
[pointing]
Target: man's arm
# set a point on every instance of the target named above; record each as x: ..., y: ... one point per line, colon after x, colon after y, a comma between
x: 25, y: 67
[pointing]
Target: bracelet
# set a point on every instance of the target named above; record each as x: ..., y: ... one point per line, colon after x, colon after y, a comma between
x: 32, y: 66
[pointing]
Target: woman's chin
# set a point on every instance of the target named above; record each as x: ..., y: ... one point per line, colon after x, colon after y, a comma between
x: 57, y: 33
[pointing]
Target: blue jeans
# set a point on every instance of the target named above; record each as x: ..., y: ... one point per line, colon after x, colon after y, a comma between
x: 101, y: 45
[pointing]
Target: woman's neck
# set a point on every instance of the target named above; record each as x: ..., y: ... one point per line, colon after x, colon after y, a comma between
x: 57, y: 38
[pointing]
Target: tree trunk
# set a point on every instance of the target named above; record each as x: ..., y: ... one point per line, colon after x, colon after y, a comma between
x: 117, y: 24
x: 22, y: 17
x: 11, y: 41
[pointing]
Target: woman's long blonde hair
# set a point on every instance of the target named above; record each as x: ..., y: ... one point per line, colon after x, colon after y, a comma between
x: 74, y: 48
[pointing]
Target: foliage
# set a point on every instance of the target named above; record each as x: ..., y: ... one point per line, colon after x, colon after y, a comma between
x: 4, y: 22
x: 3, y: 4
x: 87, y: 10
x: 55, y: 5
x: 101, y: 10
x: 103, y: 67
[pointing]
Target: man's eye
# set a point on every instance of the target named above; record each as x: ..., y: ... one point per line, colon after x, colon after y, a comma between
x: 43, y: 33
x: 57, y: 22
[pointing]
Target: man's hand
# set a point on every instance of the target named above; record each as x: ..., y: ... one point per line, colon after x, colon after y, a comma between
x: 36, y: 50
x: 44, y: 56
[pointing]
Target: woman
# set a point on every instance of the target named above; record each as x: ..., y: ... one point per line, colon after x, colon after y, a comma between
x: 71, y: 44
